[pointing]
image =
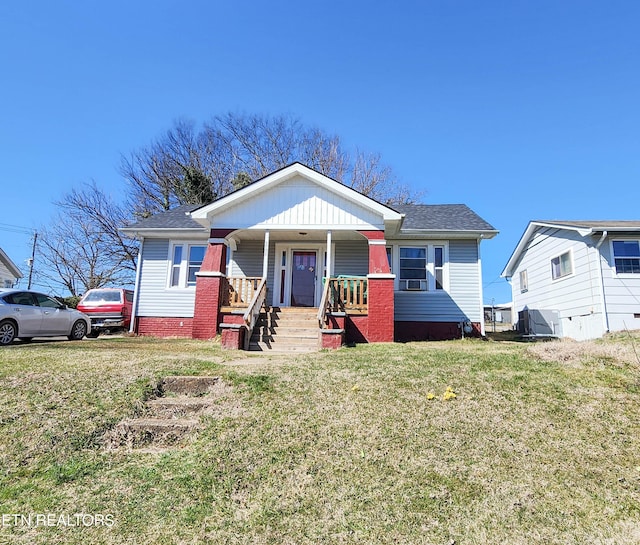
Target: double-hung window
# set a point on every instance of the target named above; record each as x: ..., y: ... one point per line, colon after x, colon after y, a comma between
x: 186, y: 260
x: 422, y: 268
x: 626, y: 255
x: 561, y: 266
x: 413, y: 269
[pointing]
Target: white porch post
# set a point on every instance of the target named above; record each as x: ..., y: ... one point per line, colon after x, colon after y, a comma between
x: 329, y: 235
x: 265, y: 258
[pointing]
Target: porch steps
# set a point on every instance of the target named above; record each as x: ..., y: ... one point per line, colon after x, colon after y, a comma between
x: 286, y: 330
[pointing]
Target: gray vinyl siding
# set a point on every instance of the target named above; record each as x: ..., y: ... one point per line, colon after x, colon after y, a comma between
x: 247, y: 261
x: 351, y: 258
x: 155, y: 298
x: 622, y: 291
x: 460, y: 303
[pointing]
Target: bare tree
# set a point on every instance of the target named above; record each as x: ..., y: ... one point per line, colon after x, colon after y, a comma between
x: 82, y: 247
x: 187, y: 166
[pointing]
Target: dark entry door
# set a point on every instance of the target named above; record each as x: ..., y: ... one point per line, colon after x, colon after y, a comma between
x: 303, y: 279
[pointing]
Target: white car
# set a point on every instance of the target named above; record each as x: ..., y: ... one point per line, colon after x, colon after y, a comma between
x: 27, y: 314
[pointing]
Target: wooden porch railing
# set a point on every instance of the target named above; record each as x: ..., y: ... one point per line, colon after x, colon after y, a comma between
x: 240, y: 291
x: 344, y: 294
x: 253, y: 311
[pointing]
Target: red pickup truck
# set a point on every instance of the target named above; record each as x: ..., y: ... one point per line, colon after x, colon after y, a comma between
x: 108, y: 308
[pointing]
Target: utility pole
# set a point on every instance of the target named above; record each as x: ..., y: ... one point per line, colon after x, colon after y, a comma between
x: 32, y: 259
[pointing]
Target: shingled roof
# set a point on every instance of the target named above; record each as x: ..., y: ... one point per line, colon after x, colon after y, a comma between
x: 418, y: 217
x: 441, y: 217
x: 176, y: 218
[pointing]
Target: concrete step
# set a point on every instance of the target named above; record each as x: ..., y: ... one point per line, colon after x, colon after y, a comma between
x: 140, y: 432
x: 189, y: 386
x: 283, y: 347
x: 177, y: 407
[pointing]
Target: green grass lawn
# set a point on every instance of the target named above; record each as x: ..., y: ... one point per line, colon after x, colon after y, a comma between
x: 541, y: 444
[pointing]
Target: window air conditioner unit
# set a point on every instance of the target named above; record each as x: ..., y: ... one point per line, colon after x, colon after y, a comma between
x: 414, y: 285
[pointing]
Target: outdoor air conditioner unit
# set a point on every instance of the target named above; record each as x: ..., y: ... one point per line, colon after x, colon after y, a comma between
x: 539, y: 323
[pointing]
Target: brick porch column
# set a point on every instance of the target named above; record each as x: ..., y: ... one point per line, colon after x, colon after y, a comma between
x: 209, y: 283
x: 380, y: 295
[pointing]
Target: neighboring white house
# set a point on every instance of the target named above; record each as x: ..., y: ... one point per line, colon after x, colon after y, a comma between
x: 584, y: 275
x: 9, y: 273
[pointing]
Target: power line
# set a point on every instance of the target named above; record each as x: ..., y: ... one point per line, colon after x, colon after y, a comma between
x: 16, y: 229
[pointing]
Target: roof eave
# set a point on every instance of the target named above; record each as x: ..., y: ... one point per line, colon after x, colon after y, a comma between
x: 484, y: 234
x: 507, y: 272
x: 158, y: 232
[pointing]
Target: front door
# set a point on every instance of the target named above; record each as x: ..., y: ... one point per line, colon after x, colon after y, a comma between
x: 303, y: 279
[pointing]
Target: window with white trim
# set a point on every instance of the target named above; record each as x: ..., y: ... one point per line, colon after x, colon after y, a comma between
x: 196, y: 257
x: 524, y: 281
x: 413, y: 269
x: 438, y: 267
x: 186, y: 260
x: 422, y: 268
x: 176, y: 265
x: 626, y: 256
x: 561, y: 266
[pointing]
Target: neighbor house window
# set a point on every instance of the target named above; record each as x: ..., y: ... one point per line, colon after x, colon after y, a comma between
x: 186, y: 261
x: 422, y: 268
x: 390, y: 257
x: 626, y: 255
x: 524, y: 281
x: 561, y: 266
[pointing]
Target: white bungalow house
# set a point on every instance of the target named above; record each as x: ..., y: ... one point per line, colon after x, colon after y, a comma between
x: 577, y: 279
x: 296, y: 240
x: 9, y: 272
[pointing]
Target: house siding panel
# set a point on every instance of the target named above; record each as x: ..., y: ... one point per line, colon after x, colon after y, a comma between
x: 351, y: 257
x: 297, y: 202
x: 622, y: 291
x: 247, y: 261
x: 6, y: 276
x: 155, y: 299
x: 461, y: 303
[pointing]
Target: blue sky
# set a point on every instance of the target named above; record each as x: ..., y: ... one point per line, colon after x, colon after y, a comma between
x: 520, y: 109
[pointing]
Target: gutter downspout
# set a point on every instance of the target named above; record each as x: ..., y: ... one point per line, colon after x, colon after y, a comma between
x: 136, y: 292
x: 605, y: 314
x: 482, y: 328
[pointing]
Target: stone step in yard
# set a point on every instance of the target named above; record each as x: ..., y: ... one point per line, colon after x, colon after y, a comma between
x: 189, y: 385
x: 175, y: 413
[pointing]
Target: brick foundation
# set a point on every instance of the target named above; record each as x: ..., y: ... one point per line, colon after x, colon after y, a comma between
x: 332, y: 339
x: 432, y: 331
x: 164, y: 327
x: 233, y: 337
x: 356, y: 329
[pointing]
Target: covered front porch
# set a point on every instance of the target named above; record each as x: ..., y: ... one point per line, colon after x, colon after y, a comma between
x: 342, y: 277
